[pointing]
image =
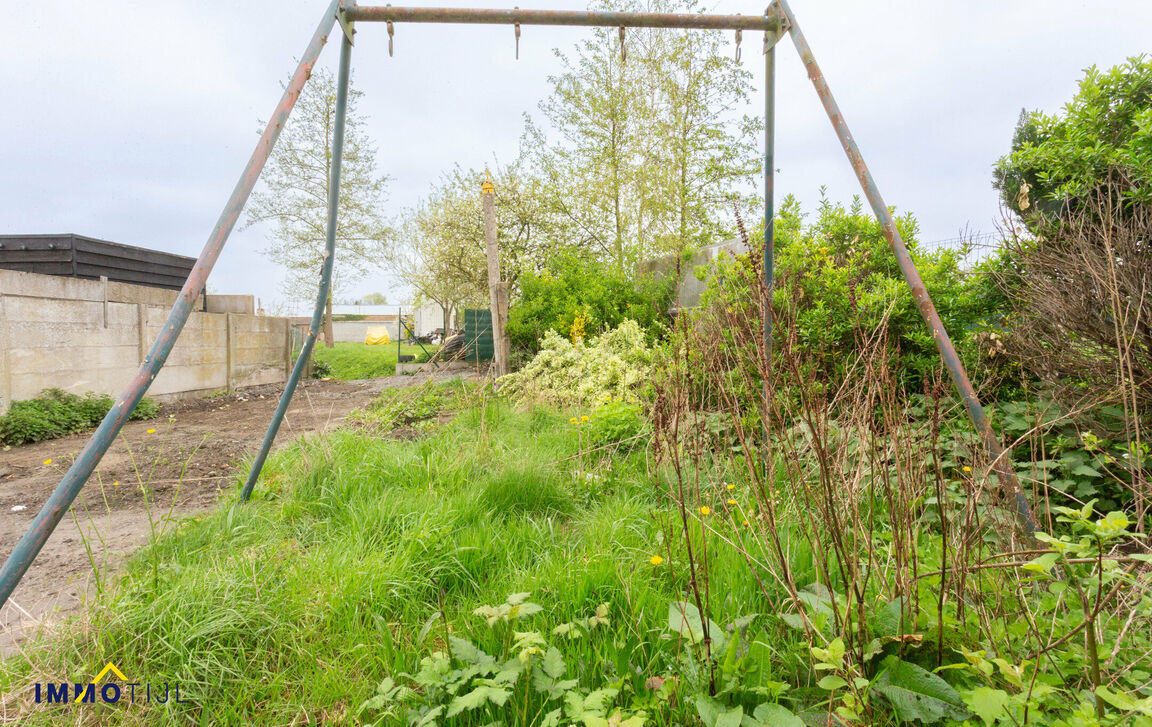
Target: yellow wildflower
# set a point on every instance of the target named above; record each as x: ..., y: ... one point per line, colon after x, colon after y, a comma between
x: 47, y: 461
x: 584, y: 418
x: 731, y: 487
x: 573, y: 420
x: 115, y: 483
x: 745, y: 523
x: 151, y: 431
x: 731, y: 502
x: 967, y: 468
x: 705, y: 510
x: 655, y: 560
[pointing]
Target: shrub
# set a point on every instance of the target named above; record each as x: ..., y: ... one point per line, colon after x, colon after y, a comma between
x: 579, y: 296
x: 56, y: 413
x: 616, y: 364
x: 837, y: 280
x: 1057, y: 162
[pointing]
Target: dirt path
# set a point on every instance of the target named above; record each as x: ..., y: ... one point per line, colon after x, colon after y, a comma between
x: 187, y: 456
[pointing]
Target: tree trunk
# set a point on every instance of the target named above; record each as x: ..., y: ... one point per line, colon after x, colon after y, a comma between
x: 329, y: 338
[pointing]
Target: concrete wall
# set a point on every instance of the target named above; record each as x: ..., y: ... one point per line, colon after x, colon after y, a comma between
x: 691, y: 287
x: 84, y: 335
x: 231, y: 304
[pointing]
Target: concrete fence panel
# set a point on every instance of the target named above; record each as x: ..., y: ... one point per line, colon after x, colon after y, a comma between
x: 85, y: 335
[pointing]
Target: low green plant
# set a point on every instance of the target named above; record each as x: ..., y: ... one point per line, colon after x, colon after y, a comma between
x: 617, y: 421
x: 57, y: 413
x: 528, y: 681
x: 412, y: 407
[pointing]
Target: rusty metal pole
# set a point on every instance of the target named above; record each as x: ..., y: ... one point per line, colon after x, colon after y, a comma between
x: 996, y: 454
x: 769, y: 252
x: 73, y: 481
x: 497, y: 290
x: 770, y: 38
x: 325, y: 269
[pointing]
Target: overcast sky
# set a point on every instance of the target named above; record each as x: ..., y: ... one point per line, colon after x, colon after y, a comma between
x: 131, y: 121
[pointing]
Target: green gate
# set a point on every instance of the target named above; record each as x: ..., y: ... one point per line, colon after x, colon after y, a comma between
x: 478, y: 344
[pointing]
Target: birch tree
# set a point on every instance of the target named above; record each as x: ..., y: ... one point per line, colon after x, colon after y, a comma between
x: 293, y: 197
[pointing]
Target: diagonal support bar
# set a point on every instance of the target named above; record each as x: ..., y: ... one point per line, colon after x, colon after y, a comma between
x: 325, y: 269
x: 996, y: 454
x: 77, y: 475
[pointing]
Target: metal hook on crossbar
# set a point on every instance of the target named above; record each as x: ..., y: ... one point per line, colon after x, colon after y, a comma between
x: 739, y: 37
x: 517, y: 37
x: 623, y: 48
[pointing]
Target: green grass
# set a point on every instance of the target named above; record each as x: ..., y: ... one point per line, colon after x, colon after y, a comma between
x: 364, y: 558
x: 349, y: 361
x: 301, y: 601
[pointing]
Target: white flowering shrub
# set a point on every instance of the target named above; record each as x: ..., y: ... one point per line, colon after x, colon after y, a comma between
x: 617, y: 364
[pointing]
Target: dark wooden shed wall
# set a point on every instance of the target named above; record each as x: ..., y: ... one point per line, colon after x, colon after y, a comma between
x: 78, y: 256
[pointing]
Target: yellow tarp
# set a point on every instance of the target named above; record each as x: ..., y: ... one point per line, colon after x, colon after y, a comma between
x: 376, y: 336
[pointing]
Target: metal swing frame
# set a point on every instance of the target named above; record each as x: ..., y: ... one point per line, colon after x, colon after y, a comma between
x: 777, y: 20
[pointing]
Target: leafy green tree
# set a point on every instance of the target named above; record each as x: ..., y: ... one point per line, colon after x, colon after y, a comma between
x: 374, y: 299
x: 1056, y: 160
x: 645, y: 154
x: 294, y: 196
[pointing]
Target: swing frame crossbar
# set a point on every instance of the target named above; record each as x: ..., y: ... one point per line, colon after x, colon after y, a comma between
x: 778, y: 19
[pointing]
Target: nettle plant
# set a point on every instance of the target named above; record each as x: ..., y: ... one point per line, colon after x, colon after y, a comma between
x: 525, y: 683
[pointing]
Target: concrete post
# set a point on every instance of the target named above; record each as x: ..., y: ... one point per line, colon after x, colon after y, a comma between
x: 104, y: 295
x: 5, y: 368
x: 497, y: 290
x: 142, y: 329
x: 287, y: 346
x: 228, y: 343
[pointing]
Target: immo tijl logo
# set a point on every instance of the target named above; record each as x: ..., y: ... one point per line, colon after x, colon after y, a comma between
x: 109, y: 692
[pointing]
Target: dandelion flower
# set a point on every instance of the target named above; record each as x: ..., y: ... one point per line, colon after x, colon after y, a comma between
x: 731, y: 502
x: 151, y: 431
x: 731, y: 487
x: 966, y: 468
x: 584, y: 418
x: 655, y: 560
x: 47, y: 461
x: 745, y: 523
x: 573, y: 420
x: 705, y: 510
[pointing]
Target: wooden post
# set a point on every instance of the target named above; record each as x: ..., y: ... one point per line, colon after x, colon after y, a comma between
x: 497, y: 289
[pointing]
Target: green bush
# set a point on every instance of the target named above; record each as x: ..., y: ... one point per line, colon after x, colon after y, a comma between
x: 835, y: 278
x: 56, y: 413
x: 593, y: 295
x: 1059, y: 160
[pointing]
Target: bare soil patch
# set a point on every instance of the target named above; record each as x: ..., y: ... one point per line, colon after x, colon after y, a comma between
x: 187, y: 456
